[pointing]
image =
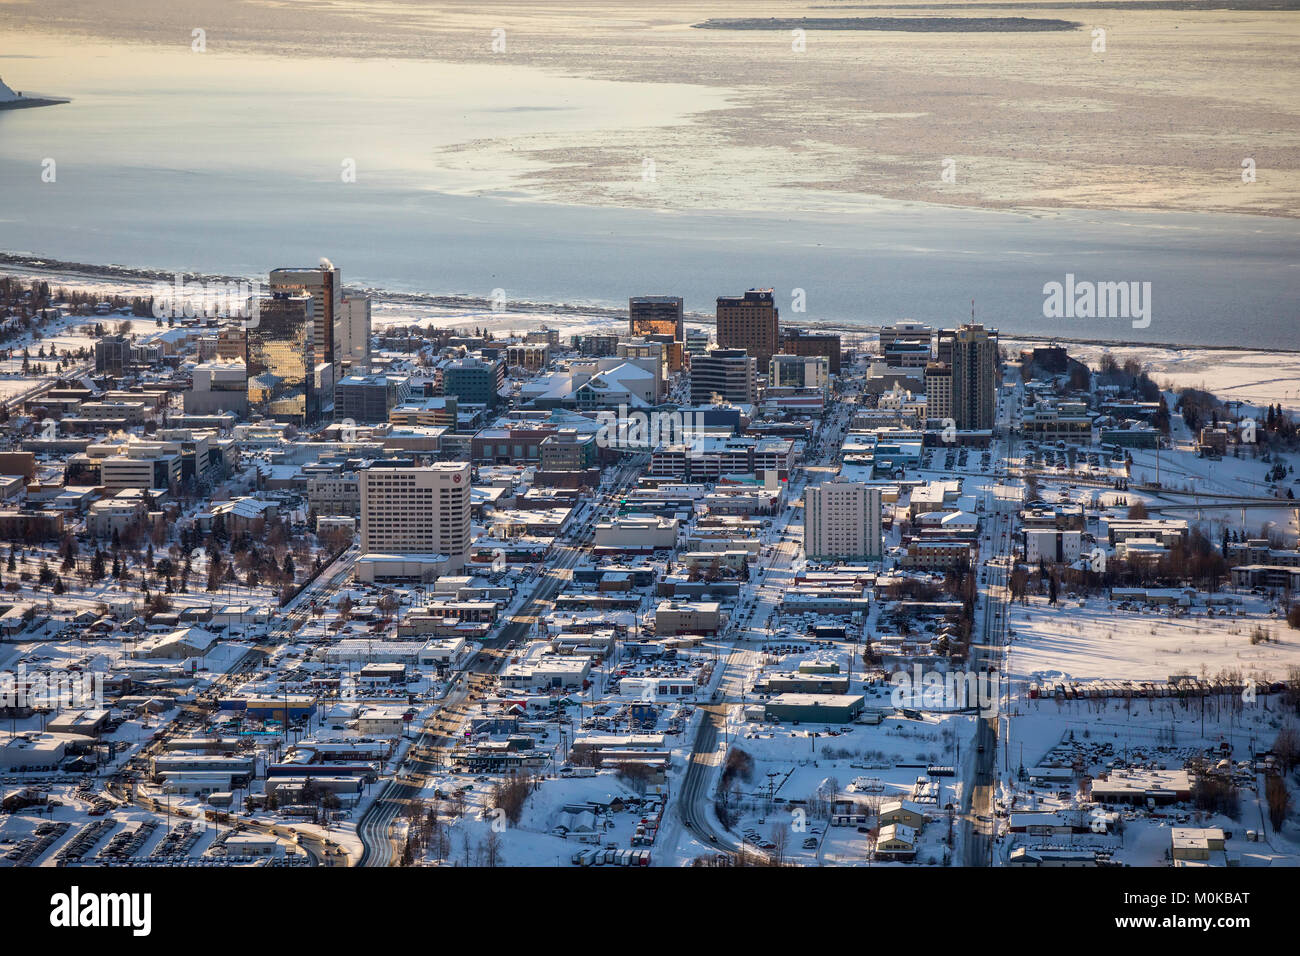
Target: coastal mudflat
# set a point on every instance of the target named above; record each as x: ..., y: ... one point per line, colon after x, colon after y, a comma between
x: 1171, y: 104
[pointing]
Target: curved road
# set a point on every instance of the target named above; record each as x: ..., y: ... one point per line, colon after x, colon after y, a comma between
x: 696, y: 795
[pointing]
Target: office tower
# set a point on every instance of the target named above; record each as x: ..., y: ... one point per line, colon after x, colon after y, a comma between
x: 367, y: 399
x: 799, y: 371
x: 697, y: 342
x: 656, y: 315
x: 232, y: 344
x: 112, y: 354
x: 421, y: 511
x: 904, y: 354
x: 750, y: 322
x: 473, y: 381
x: 944, y: 344
x: 281, y: 377
x: 218, y: 387
x: 674, y: 352
x: 803, y: 342
x: 649, y: 354
x: 355, y: 327
x: 904, y: 331
x: 974, y: 376
x: 726, y: 374
x: 842, y: 522
x: 938, y: 391
x: 325, y: 285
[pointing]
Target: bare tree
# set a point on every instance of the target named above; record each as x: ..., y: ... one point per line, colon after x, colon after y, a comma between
x: 1286, y: 747
x: 492, y: 856
x: 780, y: 835
x: 1279, y: 802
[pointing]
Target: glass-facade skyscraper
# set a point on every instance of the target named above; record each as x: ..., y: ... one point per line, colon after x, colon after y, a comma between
x: 281, y: 379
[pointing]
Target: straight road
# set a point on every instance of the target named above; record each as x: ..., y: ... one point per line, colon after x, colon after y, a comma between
x: 977, y: 815
x: 440, y: 734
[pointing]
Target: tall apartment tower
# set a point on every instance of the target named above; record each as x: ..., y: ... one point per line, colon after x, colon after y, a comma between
x: 417, y: 510
x: 325, y: 286
x: 728, y: 374
x: 750, y: 322
x: 281, y: 379
x: 842, y: 522
x: 656, y: 315
x: 974, y: 376
x: 938, y: 391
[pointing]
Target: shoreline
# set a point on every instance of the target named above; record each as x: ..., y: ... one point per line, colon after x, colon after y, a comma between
x: 29, y: 102
x: 54, y: 268
x: 894, y: 24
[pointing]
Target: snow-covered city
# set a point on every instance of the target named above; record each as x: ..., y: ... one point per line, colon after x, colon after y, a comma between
x: 507, y: 594
x: 823, y: 442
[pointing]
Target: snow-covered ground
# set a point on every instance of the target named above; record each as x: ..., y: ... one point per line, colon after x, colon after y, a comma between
x: 1091, y: 639
x: 1160, y: 734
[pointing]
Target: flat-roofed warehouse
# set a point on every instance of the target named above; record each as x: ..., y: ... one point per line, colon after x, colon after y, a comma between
x: 815, y: 708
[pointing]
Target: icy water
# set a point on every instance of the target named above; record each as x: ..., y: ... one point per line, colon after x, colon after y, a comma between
x: 237, y: 164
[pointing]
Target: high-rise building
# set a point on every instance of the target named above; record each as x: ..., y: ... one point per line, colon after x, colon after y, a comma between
x: 904, y: 354
x: 842, y: 522
x: 803, y: 342
x: 726, y: 374
x: 697, y: 342
x: 473, y: 381
x: 281, y: 377
x: 325, y: 286
x: 674, y: 352
x: 218, y: 387
x: 974, y: 376
x: 355, y: 329
x: 943, y: 345
x: 422, y: 511
x: 938, y: 391
x: 904, y: 331
x: 232, y: 344
x: 367, y: 399
x: 112, y: 354
x: 799, y: 371
x: 649, y: 354
x: 656, y: 315
x: 750, y: 322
